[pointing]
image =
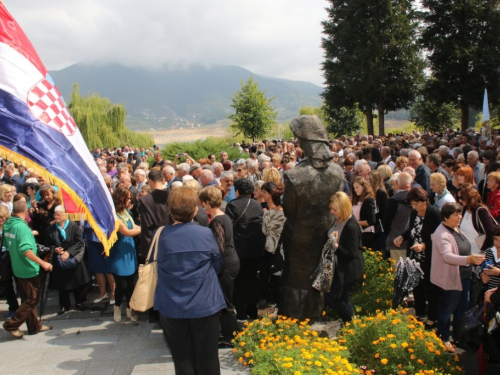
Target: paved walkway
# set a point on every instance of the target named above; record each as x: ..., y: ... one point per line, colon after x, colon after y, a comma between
x: 90, y: 342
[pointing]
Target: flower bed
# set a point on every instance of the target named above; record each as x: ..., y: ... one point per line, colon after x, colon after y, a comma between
x: 388, y: 343
x: 378, y: 285
x: 286, y: 346
x: 396, y: 343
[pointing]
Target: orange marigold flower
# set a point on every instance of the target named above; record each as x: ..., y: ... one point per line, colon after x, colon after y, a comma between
x: 384, y: 361
x: 377, y: 355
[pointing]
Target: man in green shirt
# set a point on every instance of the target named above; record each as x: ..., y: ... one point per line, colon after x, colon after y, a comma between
x: 21, y: 245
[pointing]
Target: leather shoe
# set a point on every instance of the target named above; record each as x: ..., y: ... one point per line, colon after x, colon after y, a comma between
x: 18, y: 334
x: 61, y: 311
x: 45, y: 328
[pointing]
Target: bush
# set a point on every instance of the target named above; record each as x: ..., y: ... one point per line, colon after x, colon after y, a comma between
x: 202, y: 148
x: 378, y: 285
x: 396, y: 343
x: 288, y: 347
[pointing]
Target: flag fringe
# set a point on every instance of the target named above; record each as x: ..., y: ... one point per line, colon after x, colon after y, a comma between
x: 53, y: 180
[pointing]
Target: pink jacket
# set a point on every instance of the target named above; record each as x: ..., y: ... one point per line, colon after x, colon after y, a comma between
x: 445, y: 272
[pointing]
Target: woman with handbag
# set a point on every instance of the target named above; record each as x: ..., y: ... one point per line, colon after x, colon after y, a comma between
x: 348, y: 274
x: 364, y: 209
x: 188, y: 294
x: 222, y: 227
x: 451, y: 271
x: 424, y: 219
x: 122, y: 260
x: 70, y: 272
x: 272, y: 226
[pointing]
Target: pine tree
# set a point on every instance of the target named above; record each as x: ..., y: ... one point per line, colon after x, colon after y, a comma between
x: 462, y: 38
x: 372, y: 58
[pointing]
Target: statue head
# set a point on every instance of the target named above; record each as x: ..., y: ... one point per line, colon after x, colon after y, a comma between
x: 313, y: 139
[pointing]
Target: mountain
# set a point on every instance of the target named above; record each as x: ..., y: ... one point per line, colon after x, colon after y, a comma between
x: 171, y: 98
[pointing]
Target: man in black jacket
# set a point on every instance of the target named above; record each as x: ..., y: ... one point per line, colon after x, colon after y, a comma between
x: 249, y: 241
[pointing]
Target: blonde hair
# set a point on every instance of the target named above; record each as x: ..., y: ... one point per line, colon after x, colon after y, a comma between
x: 193, y: 184
x: 340, y: 202
x: 211, y: 195
x: 271, y: 175
x: 4, y: 212
x: 384, y: 171
x: 494, y: 176
x: 5, y: 188
x: 439, y: 178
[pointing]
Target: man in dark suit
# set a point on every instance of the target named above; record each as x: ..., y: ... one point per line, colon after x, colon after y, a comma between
x: 10, y: 177
x: 169, y: 175
x: 126, y: 182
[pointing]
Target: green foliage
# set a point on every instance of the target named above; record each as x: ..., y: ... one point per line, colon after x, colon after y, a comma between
x: 378, y: 285
x: 464, y: 54
x: 342, y: 121
x: 286, y: 346
x: 102, y: 123
x: 254, y: 116
x: 428, y: 115
x: 393, y: 342
x: 371, y: 56
x: 202, y: 148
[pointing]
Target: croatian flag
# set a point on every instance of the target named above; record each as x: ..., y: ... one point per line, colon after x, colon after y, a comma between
x: 37, y: 130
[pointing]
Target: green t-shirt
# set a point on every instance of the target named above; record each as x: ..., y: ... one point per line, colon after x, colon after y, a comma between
x: 18, y: 239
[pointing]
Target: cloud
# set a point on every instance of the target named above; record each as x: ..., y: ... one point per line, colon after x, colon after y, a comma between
x: 280, y: 38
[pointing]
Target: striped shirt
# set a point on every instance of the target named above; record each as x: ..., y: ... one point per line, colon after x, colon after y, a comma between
x: 491, y: 255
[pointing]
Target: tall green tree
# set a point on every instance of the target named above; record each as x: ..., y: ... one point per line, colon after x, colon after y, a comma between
x: 372, y: 57
x: 254, y: 117
x: 102, y: 123
x: 462, y: 38
x: 342, y: 121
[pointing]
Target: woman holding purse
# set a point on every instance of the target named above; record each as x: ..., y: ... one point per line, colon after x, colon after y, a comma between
x: 424, y: 219
x: 349, y: 264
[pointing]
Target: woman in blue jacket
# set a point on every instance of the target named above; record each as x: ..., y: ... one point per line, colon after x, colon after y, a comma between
x: 188, y: 295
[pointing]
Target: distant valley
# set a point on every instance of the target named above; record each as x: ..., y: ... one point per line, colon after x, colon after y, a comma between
x: 181, y: 98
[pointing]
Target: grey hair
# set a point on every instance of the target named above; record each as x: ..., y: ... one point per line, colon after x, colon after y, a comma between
x: 473, y: 153
x: 458, y: 150
x: 184, y: 166
x: 226, y: 174
x: 168, y: 169
x: 359, y: 163
x: 251, y: 163
x: 140, y: 171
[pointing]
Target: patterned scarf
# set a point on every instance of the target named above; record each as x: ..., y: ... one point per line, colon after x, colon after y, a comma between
x: 437, y: 197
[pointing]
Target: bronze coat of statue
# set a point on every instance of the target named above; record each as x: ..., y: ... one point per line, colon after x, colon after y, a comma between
x: 308, y: 188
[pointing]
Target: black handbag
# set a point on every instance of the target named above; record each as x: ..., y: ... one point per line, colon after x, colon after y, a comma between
x: 277, y: 261
x: 472, y: 328
x: 6, y: 272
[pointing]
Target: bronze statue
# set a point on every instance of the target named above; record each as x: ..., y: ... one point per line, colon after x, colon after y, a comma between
x: 308, y: 188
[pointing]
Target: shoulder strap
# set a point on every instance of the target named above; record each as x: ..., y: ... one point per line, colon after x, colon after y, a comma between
x: 154, y: 246
x: 479, y: 221
x: 243, y: 213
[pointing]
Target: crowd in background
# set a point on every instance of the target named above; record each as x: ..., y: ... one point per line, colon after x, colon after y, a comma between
x: 432, y: 197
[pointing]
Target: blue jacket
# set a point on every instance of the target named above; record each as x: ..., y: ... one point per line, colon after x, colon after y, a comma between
x: 189, y: 260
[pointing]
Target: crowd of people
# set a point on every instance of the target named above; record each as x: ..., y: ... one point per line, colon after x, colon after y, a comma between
x: 434, y: 198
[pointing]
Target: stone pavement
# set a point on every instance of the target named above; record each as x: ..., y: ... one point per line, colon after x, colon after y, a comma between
x: 90, y: 342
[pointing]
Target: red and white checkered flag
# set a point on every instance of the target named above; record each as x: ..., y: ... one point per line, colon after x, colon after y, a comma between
x: 47, y: 105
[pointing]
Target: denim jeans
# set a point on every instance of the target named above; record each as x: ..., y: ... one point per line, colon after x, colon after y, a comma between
x: 454, y: 302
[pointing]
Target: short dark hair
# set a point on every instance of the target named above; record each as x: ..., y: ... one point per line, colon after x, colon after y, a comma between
x: 417, y: 194
x: 496, y: 230
x: 182, y: 204
x: 19, y: 207
x: 275, y: 191
x: 244, y: 187
x: 155, y: 175
x: 449, y: 209
x: 435, y: 158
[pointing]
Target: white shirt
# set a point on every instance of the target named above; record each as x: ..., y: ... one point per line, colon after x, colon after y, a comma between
x: 467, y: 228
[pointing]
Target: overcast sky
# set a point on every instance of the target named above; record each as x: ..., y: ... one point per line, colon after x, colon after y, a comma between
x: 278, y: 38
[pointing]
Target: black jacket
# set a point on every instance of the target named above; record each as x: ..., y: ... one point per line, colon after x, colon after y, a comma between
x: 63, y: 279
x: 350, y: 261
x: 432, y: 219
x: 249, y: 241
x: 153, y: 211
x: 367, y: 212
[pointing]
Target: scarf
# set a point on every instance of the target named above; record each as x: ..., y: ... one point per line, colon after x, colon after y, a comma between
x: 125, y: 217
x: 437, y: 197
x: 63, y: 229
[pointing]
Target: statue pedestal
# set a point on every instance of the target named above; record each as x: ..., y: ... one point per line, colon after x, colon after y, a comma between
x: 301, y: 304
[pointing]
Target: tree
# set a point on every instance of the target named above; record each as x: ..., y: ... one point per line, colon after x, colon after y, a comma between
x: 462, y: 40
x: 372, y: 57
x: 342, y: 121
x: 254, y: 116
x: 102, y: 123
x: 428, y: 115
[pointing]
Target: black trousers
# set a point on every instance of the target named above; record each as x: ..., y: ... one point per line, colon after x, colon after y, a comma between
x: 246, y: 289
x: 124, y: 287
x: 10, y: 293
x: 424, y: 292
x: 78, y: 293
x: 228, y: 322
x: 193, y: 344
